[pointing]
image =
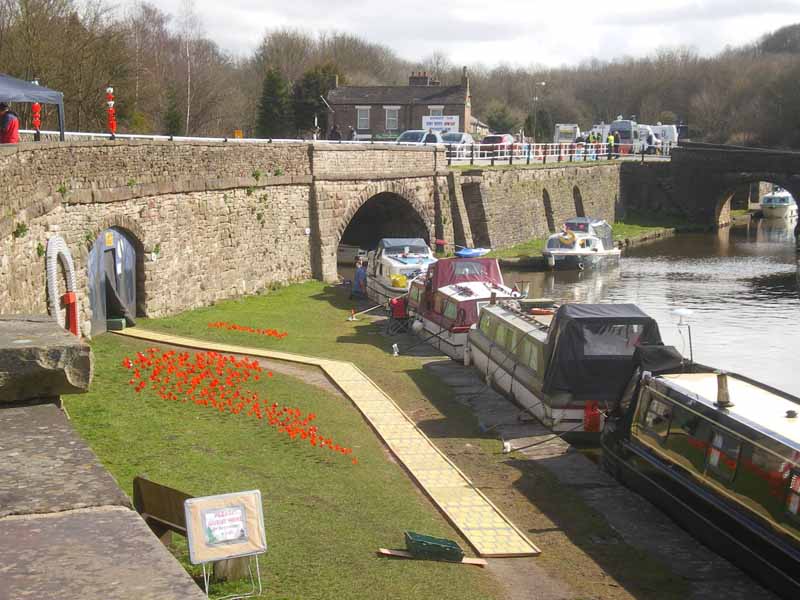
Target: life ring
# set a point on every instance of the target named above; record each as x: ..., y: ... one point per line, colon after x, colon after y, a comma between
x: 567, y: 238
x: 57, y: 251
x: 542, y: 311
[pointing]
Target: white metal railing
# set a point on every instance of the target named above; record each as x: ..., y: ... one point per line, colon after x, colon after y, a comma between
x: 528, y: 153
x: 479, y: 154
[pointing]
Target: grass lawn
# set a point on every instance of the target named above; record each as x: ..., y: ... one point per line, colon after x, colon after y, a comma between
x: 325, y: 516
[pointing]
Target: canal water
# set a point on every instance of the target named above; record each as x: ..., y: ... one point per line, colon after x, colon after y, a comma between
x: 742, y: 285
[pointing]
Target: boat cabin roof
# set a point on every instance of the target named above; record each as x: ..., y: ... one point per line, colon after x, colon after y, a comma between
x: 449, y: 271
x: 474, y: 290
x: 754, y: 406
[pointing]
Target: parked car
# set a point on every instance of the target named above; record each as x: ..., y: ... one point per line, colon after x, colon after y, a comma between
x: 420, y: 136
x: 497, y: 144
x: 459, y: 143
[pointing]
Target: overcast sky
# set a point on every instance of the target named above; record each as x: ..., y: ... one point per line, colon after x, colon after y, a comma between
x: 520, y: 32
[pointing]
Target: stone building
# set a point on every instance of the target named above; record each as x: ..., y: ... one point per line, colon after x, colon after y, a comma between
x: 385, y: 111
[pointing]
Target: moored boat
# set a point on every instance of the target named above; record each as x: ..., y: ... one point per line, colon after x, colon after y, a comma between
x: 567, y: 367
x: 718, y: 452
x: 582, y: 244
x: 393, y: 265
x: 779, y: 204
x: 447, y: 301
x: 348, y: 253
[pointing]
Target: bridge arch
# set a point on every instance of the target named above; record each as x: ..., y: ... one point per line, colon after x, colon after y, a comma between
x: 731, y: 183
x: 388, y: 210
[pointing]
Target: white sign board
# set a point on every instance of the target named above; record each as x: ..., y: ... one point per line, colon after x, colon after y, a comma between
x: 225, y: 526
x: 445, y: 123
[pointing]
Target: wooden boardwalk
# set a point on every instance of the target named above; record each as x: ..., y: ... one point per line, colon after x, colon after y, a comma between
x: 487, y: 529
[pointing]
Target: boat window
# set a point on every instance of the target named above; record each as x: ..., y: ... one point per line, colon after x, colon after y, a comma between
x: 723, y: 456
x: 500, y: 335
x: 450, y: 310
x: 468, y: 268
x: 611, y: 340
x: 415, y: 293
x: 793, y: 495
x: 761, y: 478
x: 656, y: 419
x: 438, y: 302
x: 485, y: 324
x: 688, y: 437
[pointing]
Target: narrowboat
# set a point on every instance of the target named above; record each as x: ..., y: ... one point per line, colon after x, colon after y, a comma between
x: 582, y: 244
x: 779, y: 204
x: 448, y: 299
x: 393, y: 265
x: 718, y: 452
x: 568, y: 368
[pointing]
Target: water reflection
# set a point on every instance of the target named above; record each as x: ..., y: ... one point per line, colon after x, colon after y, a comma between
x: 742, y: 284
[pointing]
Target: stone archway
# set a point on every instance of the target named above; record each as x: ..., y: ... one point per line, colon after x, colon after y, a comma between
x: 400, y: 199
x: 577, y: 197
x: 384, y: 215
x: 729, y: 186
x: 115, y: 276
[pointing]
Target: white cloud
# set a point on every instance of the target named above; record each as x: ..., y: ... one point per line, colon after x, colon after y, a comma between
x: 517, y: 32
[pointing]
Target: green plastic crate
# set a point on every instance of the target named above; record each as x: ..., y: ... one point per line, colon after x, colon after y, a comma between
x: 425, y: 546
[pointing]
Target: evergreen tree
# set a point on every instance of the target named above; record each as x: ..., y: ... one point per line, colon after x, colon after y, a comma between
x: 308, y: 93
x: 173, y: 119
x: 274, y: 109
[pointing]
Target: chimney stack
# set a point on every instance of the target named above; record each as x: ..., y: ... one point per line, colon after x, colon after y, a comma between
x: 421, y: 78
x: 723, y: 397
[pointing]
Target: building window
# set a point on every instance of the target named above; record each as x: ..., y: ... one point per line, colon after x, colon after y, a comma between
x: 362, y: 117
x: 436, y: 111
x: 392, y: 118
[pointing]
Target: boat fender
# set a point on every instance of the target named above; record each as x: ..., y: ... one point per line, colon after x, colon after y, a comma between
x: 580, y: 266
x: 542, y: 311
x: 567, y: 238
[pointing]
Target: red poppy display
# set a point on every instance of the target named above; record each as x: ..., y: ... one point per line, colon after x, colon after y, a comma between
x: 278, y: 335
x: 214, y: 380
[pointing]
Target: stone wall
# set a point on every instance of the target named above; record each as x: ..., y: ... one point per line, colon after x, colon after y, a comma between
x: 199, y: 247
x: 342, y: 161
x: 509, y: 206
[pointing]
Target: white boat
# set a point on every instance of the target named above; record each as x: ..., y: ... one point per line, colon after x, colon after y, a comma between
x: 779, y: 205
x: 347, y: 254
x: 393, y: 265
x: 448, y: 299
x: 583, y: 244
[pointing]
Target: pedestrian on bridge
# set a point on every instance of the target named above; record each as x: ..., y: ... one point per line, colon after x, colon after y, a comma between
x: 610, y: 143
x: 335, y: 134
x: 9, y: 125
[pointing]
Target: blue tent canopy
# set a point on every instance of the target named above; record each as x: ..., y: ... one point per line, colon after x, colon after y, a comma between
x: 17, y: 90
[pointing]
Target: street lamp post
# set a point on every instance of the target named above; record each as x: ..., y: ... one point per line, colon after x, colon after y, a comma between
x: 535, y: 99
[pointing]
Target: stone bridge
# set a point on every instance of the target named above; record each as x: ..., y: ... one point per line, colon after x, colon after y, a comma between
x: 214, y: 220
x: 701, y: 179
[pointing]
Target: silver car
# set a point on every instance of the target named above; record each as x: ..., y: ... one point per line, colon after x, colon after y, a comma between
x: 458, y: 143
x: 419, y: 136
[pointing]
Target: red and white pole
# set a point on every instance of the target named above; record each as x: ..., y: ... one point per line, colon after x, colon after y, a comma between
x: 111, y: 111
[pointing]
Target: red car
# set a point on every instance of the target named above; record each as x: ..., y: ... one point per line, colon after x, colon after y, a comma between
x: 498, y: 144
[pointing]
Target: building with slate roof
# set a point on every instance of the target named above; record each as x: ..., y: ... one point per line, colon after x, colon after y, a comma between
x: 385, y: 111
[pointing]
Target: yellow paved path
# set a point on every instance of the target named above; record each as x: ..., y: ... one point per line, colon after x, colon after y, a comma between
x: 487, y: 529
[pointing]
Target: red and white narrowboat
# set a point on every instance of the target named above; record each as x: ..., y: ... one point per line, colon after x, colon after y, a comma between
x: 448, y: 299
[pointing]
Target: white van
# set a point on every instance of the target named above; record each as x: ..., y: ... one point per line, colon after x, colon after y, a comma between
x: 667, y: 133
x: 647, y: 132
x: 566, y: 133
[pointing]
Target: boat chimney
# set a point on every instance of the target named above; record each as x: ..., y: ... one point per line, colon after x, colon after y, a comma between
x: 723, y: 398
x: 493, y: 298
x: 791, y: 414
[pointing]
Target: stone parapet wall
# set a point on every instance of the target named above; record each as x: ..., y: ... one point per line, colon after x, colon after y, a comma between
x: 34, y: 176
x: 510, y: 206
x: 382, y: 160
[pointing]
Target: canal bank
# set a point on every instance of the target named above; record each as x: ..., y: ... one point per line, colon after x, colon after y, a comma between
x: 583, y: 553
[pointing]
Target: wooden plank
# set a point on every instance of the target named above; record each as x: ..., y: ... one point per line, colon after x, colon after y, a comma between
x: 160, y: 506
x: 479, y: 562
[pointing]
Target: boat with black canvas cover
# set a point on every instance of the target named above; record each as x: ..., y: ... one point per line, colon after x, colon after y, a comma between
x: 720, y: 453
x: 567, y: 367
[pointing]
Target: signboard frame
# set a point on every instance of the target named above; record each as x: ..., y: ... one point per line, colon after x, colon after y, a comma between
x: 202, y: 549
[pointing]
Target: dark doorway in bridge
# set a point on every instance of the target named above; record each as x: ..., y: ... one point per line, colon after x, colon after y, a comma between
x: 116, y: 278
x: 385, y: 215
x: 548, y: 211
x: 578, y: 198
